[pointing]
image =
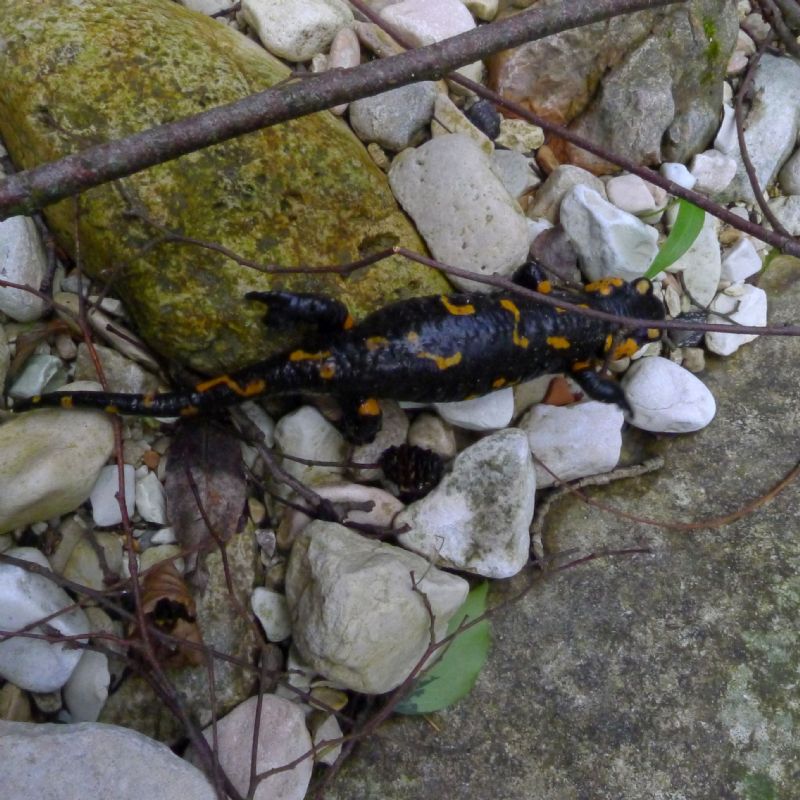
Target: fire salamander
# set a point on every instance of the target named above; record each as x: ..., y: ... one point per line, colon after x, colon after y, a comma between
x: 425, y: 349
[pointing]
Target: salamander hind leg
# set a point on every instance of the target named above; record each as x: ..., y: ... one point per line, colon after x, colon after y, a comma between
x: 315, y: 309
x: 361, y: 419
x: 602, y: 388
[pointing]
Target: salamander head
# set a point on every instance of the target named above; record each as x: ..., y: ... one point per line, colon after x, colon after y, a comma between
x: 630, y: 299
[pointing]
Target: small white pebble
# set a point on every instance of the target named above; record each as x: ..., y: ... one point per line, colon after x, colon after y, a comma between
x: 103, y: 497
x: 713, y: 170
x: 678, y: 173
x: 740, y: 262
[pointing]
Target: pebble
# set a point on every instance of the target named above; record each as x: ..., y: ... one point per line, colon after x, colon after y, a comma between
x: 630, y: 193
x: 393, y: 432
x: 678, y: 173
x: 727, y: 141
x: 559, y: 182
x: 103, y: 497
x: 610, y: 242
x: 41, y: 373
x: 483, y: 9
x: 83, y: 565
x: 86, y: 691
x: 489, y: 412
x: 667, y: 398
x: 305, y: 433
x: 208, y: 7
x: 789, y: 176
x: 150, y: 498
x: 740, y: 262
x: 478, y: 518
x: 701, y: 264
x: 345, y: 53
x: 520, y: 135
x: 272, y: 611
x: 431, y: 432
x: 787, y: 211
x: 163, y: 552
x: 385, y: 508
x: 713, y: 171
x: 49, y: 462
x: 573, y: 441
x: 694, y: 359
x: 22, y: 261
x: 771, y: 125
x: 14, y: 704
x: 394, y: 119
x: 122, y: 374
x: 516, y: 172
x: 5, y: 358
x: 449, y: 118
x: 36, y: 664
x: 460, y: 206
x: 282, y: 738
x: 75, y: 762
x: 327, y: 731
x: 296, y: 29
x: 256, y: 414
x: 356, y: 615
x: 745, y: 305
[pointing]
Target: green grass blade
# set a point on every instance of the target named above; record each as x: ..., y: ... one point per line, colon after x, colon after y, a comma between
x: 686, y: 229
x: 454, y: 674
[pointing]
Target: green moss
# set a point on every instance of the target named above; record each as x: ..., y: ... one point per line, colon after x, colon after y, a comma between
x: 759, y: 787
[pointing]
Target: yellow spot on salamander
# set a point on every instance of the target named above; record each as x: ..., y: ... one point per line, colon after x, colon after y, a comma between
x: 327, y: 370
x: 544, y: 287
x: 412, y: 336
x: 250, y: 389
x: 148, y: 399
x: 375, y: 342
x: 558, y: 342
x: 626, y: 348
x: 443, y: 362
x: 302, y: 355
x: 605, y: 286
x: 499, y: 383
x: 349, y: 322
x: 579, y: 366
x: 64, y: 402
x: 510, y: 305
x: 111, y: 409
x: 608, y: 342
x: 369, y: 408
x: 653, y: 333
x: 457, y: 310
x: 189, y: 411
x: 643, y: 286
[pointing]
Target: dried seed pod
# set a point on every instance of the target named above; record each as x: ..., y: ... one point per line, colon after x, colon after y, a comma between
x: 414, y: 470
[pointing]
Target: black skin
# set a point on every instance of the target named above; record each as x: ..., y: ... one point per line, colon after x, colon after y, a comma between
x: 426, y: 349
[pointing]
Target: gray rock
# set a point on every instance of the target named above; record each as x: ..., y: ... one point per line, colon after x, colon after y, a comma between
x: 86, y: 690
x: 122, y: 374
x: 356, y: 616
x: 83, y: 565
x: 547, y: 201
x: 5, y: 358
x: 104, y: 495
x: 787, y: 210
x: 32, y: 663
x: 573, y: 441
x: 701, y: 264
x: 745, y: 305
x: 713, y: 171
x: 610, y: 242
x: 394, y: 119
x: 73, y: 762
x: 740, y: 262
x: 282, y: 738
x: 477, y: 518
x: 789, y: 176
x: 516, y: 171
x: 22, y: 261
x: 460, y: 206
x: 49, y: 462
x: 771, y: 124
x: 41, y: 373
x: 272, y: 612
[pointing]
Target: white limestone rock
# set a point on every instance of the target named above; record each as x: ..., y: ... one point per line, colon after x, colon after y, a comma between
x: 282, y: 738
x: 520, y: 135
x: 678, y: 173
x: 103, y: 497
x: 151, y: 500
x: 610, y: 242
x: 307, y: 434
x: 207, y: 7
x: 449, y: 118
x: 22, y: 261
x: 726, y: 140
x: 489, y: 412
x: 272, y: 611
x: 740, y: 262
x: 713, y: 171
x: 745, y: 305
x: 630, y: 193
x: 666, y: 398
x: 771, y: 125
x: 789, y: 176
x: 83, y: 565
x: 701, y: 264
x: 432, y: 433
x: 460, y: 206
x: 36, y: 664
x: 41, y: 373
x: 787, y: 211
x: 86, y: 691
x: 478, y: 518
x: 296, y: 29
x: 516, y: 171
x: 5, y: 358
x: 356, y: 616
x: 92, y: 760
x: 483, y: 9
x: 394, y: 119
x: 550, y: 194
x: 50, y: 460
x: 573, y: 441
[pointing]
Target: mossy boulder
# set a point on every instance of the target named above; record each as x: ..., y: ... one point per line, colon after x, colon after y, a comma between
x: 74, y: 73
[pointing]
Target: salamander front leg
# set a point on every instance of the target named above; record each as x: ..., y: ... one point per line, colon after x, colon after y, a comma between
x: 315, y: 309
x: 361, y: 419
x: 602, y: 388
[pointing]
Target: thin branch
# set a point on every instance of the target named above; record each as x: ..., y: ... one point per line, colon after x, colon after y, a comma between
x: 36, y: 188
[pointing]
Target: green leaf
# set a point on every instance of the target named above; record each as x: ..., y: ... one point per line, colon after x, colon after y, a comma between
x: 454, y: 674
x: 686, y: 229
